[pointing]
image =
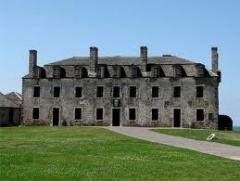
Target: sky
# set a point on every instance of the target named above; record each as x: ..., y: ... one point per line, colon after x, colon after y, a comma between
x: 60, y: 29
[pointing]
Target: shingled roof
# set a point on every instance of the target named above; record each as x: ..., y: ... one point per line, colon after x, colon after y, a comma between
x: 118, y: 60
x: 5, y: 102
x: 14, y: 97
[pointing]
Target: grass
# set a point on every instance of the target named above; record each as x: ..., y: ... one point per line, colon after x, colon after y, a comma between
x: 225, y: 137
x: 90, y: 153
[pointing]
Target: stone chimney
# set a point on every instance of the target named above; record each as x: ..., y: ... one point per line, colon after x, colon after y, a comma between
x: 93, y: 60
x: 143, y: 57
x: 215, y: 59
x: 32, y: 61
x: 143, y: 53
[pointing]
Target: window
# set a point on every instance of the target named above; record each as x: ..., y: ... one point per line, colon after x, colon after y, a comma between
x: 78, y: 92
x: 132, y: 114
x: 56, y: 92
x: 36, y: 91
x: 78, y: 113
x: 200, y: 115
x: 132, y: 91
x: 116, y: 91
x: 155, y: 91
x: 99, y: 91
x: 199, y: 92
x: 35, y: 114
x: 210, y: 116
x: 177, y: 91
x: 154, y: 114
x: 99, y: 113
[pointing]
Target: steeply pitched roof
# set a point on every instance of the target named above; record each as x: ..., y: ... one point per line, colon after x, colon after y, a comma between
x: 118, y: 60
x: 5, y: 102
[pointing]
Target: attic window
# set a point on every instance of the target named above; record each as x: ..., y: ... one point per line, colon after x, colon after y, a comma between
x: 179, y: 71
x: 134, y: 71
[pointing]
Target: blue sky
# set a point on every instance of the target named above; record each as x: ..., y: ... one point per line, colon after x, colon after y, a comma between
x: 64, y: 28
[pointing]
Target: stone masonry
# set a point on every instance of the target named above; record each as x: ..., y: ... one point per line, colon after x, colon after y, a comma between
x: 165, y: 91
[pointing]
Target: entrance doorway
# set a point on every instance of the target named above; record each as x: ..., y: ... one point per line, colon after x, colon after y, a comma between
x: 55, y: 116
x: 177, y: 117
x: 116, y: 117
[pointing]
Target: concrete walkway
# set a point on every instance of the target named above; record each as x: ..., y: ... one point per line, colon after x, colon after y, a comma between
x: 222, y: 150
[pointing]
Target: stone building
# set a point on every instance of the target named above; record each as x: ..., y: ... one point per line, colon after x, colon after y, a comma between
x: 10, y: 109
x: 165, y: 91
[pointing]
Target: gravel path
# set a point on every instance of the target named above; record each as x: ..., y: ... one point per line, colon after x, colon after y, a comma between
x: 222, y: 150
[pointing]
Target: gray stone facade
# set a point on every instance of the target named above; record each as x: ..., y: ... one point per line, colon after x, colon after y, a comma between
x: 165, y: 91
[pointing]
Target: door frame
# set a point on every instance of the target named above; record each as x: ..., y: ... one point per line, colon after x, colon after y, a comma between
x: 58, y: 116
x: 119, y: 116
x: 180, y: 119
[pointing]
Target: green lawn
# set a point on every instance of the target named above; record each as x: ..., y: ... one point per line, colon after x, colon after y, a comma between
x: 225, y: 137
x: 89, y: 153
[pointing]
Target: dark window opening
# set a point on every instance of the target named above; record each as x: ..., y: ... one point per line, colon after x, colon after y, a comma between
x: 116, y: 91
x: 99, y: 114
x: 78, y: 92
x: 35, y: 113
x: 199, y: 91
x: 132, y: 91
x: 11, y: 113
x: 132, y: 114
x: 36, y: 91
x: 200, y: 115
x: 78, y: 113
x: 155, y: 91
x: 154, y: 114
x: 99, y: 91
x: 56, y: 92
x: 177, y: 91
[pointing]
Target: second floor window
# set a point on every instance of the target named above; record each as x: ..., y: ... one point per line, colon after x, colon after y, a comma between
x: 177, y: 91
x: 99, y: 91
x: 116, y: 91
x: 132, y: 91
x: 56, y: 92
x: 36, y: 91
x: 78, y: 92
x: 155, y: 91
x: 199, y: 91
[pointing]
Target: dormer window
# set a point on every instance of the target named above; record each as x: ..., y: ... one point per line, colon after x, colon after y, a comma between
x: 179, y: 71
x: 134, y: 71
x: 80, y: 72
x: 118, y: 72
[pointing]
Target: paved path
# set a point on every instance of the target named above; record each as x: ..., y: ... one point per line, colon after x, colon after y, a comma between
x: 222, y: 150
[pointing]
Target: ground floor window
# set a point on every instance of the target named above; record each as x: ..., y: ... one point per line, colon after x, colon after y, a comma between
x: 200, y: 114
x: 78, y: 113
x: 154, y: 114
x: 210, y: 116
x: 132, y: 114
x: 99, y: 114
x: 35, y: 113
